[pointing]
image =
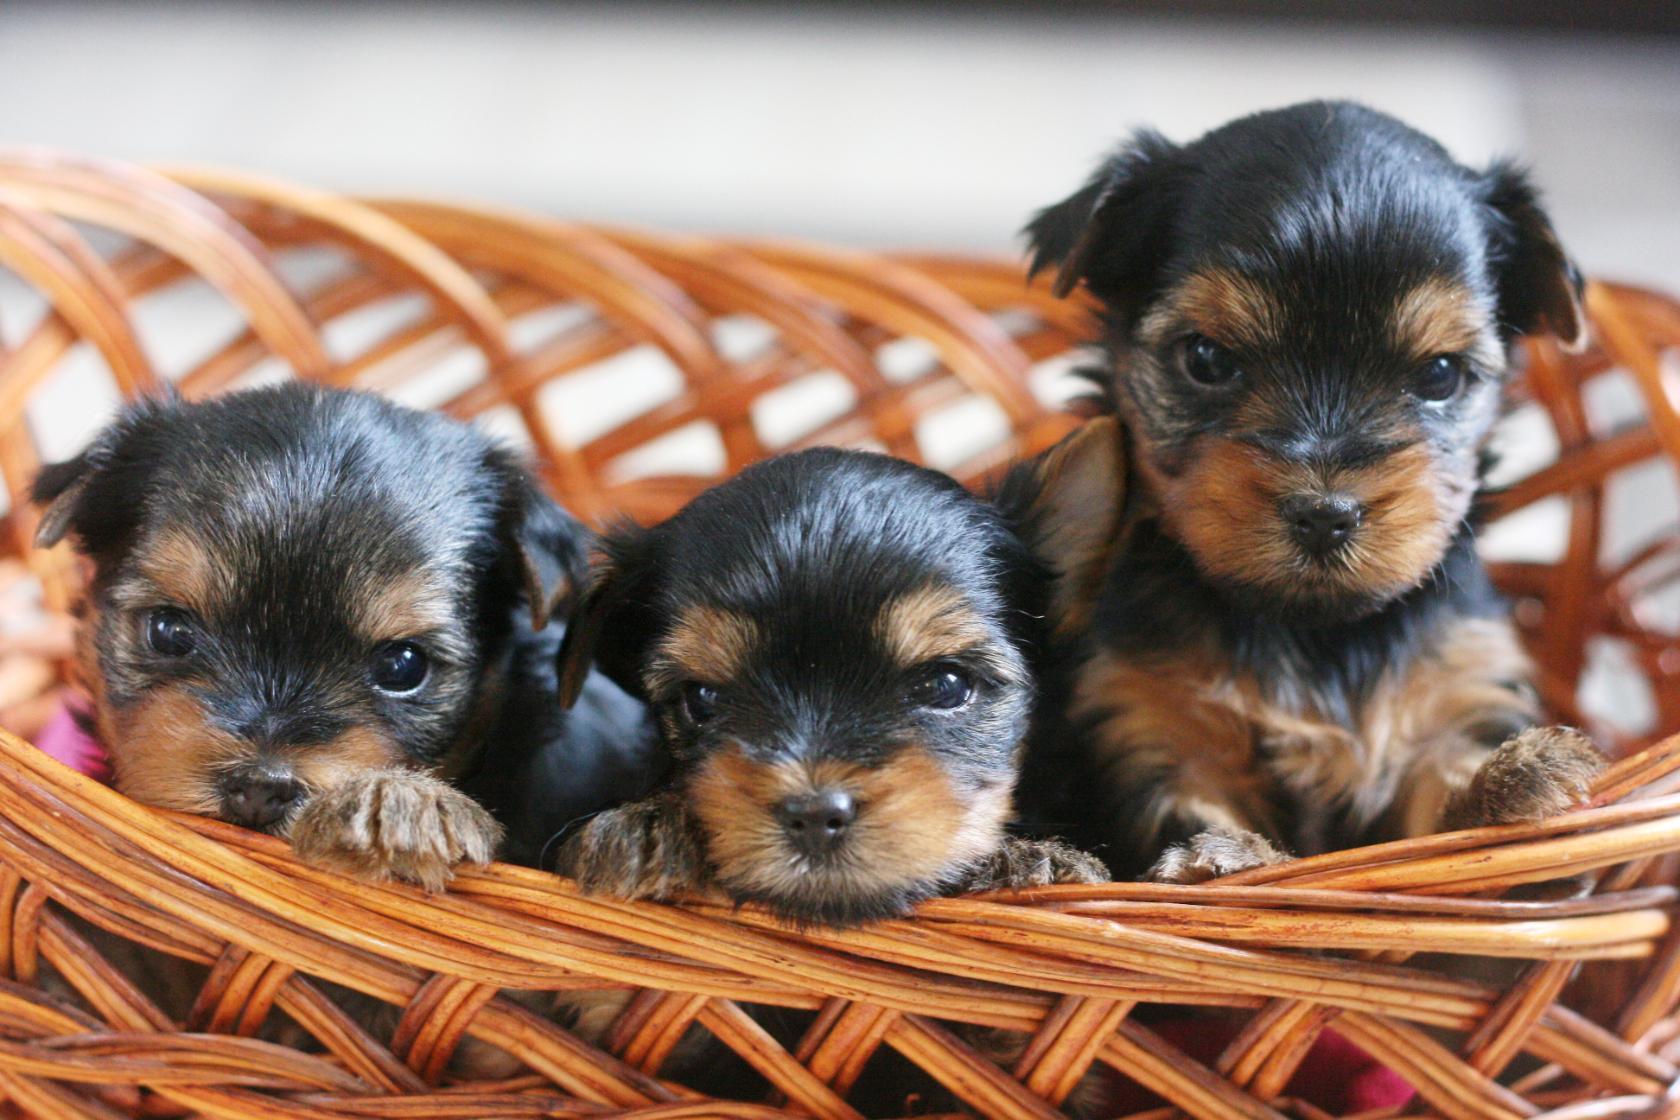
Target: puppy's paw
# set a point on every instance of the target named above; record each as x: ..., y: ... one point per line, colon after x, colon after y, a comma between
x: 395, y: 824
x: 1018, y: 864
x: 1534, y: 776
x: 1212, y: 854
x: 647, y: 849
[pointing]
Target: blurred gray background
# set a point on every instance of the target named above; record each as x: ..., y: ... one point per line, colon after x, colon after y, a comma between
x: 878, y: 124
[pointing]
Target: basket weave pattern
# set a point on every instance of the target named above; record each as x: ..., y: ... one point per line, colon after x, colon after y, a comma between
x: 502, y: 308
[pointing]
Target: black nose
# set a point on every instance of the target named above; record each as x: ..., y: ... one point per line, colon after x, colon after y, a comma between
x: 817, y: 822
x: 1321, y: 523
x: 259, y: 798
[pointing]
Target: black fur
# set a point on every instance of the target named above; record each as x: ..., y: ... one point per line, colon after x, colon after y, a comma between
x: 308, y: 501
x: 1336, y: 214
x: 810, y: 547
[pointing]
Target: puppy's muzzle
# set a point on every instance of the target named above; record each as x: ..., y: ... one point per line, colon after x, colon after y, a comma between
x: 1321, y: 525
x: 258, y: 797
x: 817, y: 823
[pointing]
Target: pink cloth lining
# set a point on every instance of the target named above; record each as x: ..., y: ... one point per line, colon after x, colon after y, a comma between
x: 64, y: 739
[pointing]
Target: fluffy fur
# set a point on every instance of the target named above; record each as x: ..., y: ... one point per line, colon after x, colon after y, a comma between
x: 822, y: 600
x: 287, y: 541
x: 1307, y: 316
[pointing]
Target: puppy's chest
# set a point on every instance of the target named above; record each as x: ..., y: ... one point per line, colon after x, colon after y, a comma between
x: 1315, y: 752
x: 1222, y: 737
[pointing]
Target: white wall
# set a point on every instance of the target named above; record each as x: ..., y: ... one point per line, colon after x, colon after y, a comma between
x: 865, y: 125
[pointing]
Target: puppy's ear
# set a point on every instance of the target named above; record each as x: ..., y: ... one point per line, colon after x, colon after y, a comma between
x: 1113, y: 232
x: 614, y: 621
x: 59, y: 487
x: 1539, y: 287
x: 551, y: 548
x: 1067, y: 505
x: 75, y: 493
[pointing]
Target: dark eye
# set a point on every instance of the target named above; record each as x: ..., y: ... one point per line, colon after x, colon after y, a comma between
x: 170, y: 632
x: 398, y: 667
x: 1208, y: 363
x: 699, y: 702
x: 1439, y: 379
x: 943, y: 687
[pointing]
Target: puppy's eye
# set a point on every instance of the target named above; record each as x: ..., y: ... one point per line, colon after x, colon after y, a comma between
x: 170, y: 632
x: 1208, y: 363
x: 942, y: 687
x: 1439, y: 379
x: 398, y: 667
x: 699, y: 702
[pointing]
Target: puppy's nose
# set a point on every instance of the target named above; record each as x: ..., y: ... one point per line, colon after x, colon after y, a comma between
x: 817, y: 822
x: 259, y: 799
x: 1321, y: 524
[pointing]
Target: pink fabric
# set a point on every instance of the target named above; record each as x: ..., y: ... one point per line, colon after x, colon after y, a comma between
x: 64, y: 739
x: 1336, y: 1075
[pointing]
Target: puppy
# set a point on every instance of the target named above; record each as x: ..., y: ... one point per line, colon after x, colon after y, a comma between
x: 311, y: 610
x: 835, y: 648
x: 1289, y: 641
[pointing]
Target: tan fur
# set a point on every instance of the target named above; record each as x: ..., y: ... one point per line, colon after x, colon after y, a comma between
x: 1438, y: 707
x: 347, y: 758
x: 395, y: 824
x: 1535, y: 775
x: 1020, y: 863
x: 1213, y: 853
x: 911, y: 825
x: 1211, y: 746
x: 705, y: 644
x: 930, y: 624
x: 1075, y: 519
x: 1442, y: 316
x: 1224, y: 509
x: 1180, y: 720
x: 164, y: 754
x: 1223, y: 305
x: 652, y: 848
x: 181, y: 570
x: 413, y: 603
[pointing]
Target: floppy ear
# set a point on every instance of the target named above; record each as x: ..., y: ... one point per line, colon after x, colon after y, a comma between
x: 1067, y: 506
x: 1539, y: 287
x: 552, y: 550
x: 1114, y: 231
x: 69, y: 491
x: 614, y: 621
x: 59, y: 487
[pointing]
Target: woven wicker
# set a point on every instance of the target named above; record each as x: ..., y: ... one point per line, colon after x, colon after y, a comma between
x: 498, y: 310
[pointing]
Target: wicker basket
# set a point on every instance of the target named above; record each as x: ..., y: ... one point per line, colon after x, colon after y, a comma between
x: 489, y: 313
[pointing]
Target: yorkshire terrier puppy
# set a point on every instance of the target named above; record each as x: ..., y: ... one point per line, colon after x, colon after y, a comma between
x: 835, y: 648
x: 312, y: 610
x: 1289, y: 640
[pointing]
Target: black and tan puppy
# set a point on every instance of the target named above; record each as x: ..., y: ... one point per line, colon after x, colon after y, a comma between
x: 835, y: 646
x: 1291, y: 640
x: 311, y: 610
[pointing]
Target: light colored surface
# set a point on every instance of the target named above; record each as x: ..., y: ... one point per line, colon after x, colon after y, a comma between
x: 861, y: 125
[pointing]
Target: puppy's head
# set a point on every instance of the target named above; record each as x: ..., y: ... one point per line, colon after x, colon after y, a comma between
x: 295, y: 584
x: 829, y: 646
x: 1309, y: 312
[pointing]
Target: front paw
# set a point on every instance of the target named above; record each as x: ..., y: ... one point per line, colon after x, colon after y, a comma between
x: 1018, y: 864
x: 1213, y: 854
x: 1532, y: 777
x: 647, y: 849
x: 395, y: 824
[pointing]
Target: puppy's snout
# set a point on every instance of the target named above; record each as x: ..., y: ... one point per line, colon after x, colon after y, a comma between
x: 817, y: 822
x: 1321, y: 524
x: 259, y: 798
